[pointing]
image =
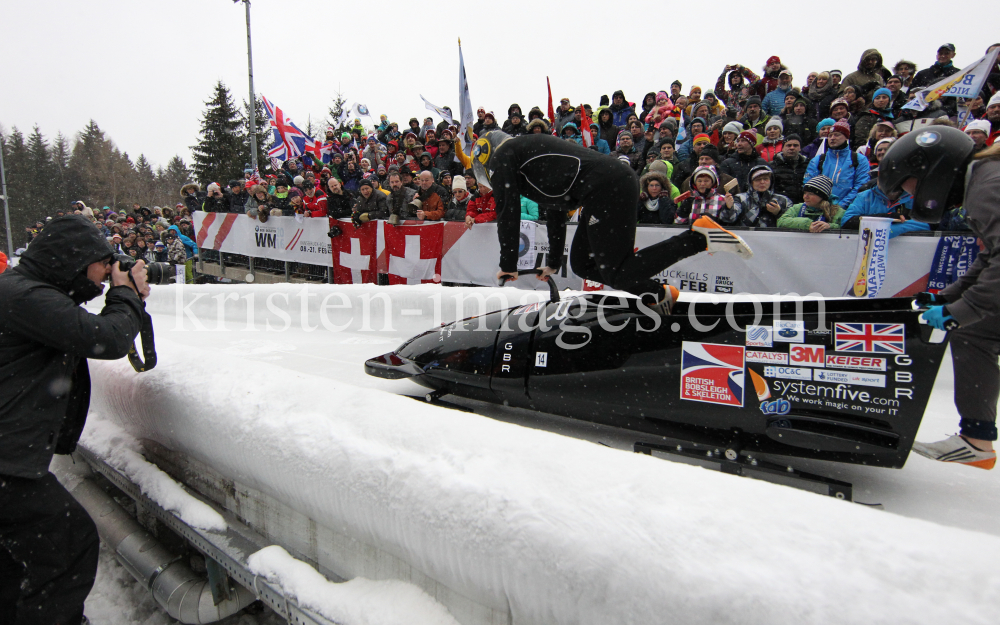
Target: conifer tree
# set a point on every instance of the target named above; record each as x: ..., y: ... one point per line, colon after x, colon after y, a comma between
x: 219, y: 154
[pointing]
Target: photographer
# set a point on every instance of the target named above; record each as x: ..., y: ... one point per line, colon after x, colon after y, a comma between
x: 48, y: 544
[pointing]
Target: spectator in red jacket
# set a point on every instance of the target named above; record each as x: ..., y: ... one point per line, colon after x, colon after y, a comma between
x: 3, y: 262
x: 315, y: 202
x: 481, y: 210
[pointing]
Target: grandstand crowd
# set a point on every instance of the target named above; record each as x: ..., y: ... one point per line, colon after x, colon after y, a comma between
x: 753, y: 151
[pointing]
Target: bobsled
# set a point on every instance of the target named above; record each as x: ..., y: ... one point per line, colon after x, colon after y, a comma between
x: 844, y: 379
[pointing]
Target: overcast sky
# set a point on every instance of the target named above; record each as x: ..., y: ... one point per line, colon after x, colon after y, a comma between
x: 143, y: 70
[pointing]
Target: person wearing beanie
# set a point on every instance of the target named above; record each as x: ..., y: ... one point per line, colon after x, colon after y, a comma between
x: 753, y: 115
x: 216, y: 200
x: 823, y: 128
x: 768, y: 81
x: 675, y: 91
x: 759, y: 206
x: 705, y: 197
x: 817, y: 212
x: 799, y: 119
x: 880, y: 111
x: 773, y: 140
x: 370, y: 205
x: 848, y: 171
x: 708, y: 157
x: 727, y: 139
x: 979, y: 130
x: 789, y: 167
x: 625, y: 148
x: 648, y: 104
x: 458, y: 205
x: 620, y: 109
x: 993, y: 117
x: 746, y: 158
x: 661, y: 111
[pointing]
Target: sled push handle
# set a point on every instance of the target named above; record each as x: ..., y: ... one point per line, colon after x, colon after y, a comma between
x: 553, y: 289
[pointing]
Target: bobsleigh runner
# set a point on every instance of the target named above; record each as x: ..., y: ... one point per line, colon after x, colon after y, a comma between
x: 742, y: 384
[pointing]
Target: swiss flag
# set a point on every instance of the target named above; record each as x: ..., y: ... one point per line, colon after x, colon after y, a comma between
x: 354, y: 252
x: 413, y: 252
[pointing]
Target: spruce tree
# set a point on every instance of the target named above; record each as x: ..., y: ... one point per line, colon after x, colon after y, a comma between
x: 219, y: 154
x: 63, y: 183
x: 15, y: 160
x: 145, y: 182
x: 336, y: 111
x: 39, y: 177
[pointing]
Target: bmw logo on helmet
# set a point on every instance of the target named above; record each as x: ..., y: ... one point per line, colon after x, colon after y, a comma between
x: 927, y: 139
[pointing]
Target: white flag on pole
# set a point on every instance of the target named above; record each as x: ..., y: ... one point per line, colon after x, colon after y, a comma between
x: 965, y: 84
x: 464, y: 100
x: 442, y: 112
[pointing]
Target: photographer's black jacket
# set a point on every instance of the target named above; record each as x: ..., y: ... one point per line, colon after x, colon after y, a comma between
x: 46, y: 338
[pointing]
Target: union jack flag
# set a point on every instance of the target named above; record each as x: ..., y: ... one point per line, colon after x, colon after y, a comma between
x: 289, y: 140
x: 872, y: 338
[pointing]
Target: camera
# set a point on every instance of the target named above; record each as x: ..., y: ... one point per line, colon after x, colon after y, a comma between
x: 156, y: 273
x: 335, y: 231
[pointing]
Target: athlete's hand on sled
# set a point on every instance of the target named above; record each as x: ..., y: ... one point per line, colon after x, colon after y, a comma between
x: 544, y: 274
x: 510, y: 276
x: 939, y: 317
x: 926, y: 300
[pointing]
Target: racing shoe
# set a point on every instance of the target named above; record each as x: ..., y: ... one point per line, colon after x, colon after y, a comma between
x: 720, y: 239
x: 957, y: 449
x: 666, y: 303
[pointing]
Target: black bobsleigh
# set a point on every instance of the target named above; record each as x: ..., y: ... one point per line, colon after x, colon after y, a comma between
x: 845, y: 380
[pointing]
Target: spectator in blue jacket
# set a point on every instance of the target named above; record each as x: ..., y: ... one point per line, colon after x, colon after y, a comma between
x: 774, y: 102
x: 873, y: 202
x: 599, y: 144
x: 620, y: 109
x: 190, y: 247
x: 847, y: 169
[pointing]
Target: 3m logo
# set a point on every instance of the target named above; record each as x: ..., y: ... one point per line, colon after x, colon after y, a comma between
x: 807, y: 356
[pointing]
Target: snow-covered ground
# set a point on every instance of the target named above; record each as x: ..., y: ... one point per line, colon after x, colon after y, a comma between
x: 294, y: 339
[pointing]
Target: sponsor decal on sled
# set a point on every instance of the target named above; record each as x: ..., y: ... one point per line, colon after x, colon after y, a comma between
x: 789, y: 331
x: 759, y: 385
x: 872, y: 338
x: 777, y: 407
x: 527, y: 308
x: 850, y: 377
x: 862, y: 363
x: 760, y: 336
x: 807, y: 355
x: 789, y: 373
x: 768, y: 358
x: 712, y: 373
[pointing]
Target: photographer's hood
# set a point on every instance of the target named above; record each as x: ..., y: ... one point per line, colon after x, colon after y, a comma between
x: 63, y: 250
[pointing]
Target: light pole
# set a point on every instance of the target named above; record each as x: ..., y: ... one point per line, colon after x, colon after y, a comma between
x: 6, y: 206
x: 253, y: 97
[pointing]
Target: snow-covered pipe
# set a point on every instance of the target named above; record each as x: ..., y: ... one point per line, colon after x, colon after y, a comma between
x: 182, y: 593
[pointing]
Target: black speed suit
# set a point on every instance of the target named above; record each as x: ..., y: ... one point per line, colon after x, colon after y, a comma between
x: 561, y: 175
x: 48, y: 544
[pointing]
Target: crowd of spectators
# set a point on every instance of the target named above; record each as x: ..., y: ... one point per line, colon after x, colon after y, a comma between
x: 164, y: 235
x: 755, y: 151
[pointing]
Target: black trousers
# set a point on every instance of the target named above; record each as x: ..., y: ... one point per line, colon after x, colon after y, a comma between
x: 605, y: 239
x: 48, y: 553
x: 974, y: 352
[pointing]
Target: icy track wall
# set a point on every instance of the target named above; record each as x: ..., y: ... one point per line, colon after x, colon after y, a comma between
x: 553, y: 529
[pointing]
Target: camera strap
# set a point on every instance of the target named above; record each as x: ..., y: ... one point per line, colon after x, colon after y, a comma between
x: 148, y: 360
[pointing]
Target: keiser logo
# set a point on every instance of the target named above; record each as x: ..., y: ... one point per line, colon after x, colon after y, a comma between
x: 862, y: 363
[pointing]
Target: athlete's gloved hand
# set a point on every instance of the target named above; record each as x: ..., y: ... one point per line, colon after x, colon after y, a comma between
x: 938, y: 317
x: 925, y: 300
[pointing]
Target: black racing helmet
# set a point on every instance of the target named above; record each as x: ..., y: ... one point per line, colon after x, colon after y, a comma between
x: 482, y: 154
x: 937, y: 157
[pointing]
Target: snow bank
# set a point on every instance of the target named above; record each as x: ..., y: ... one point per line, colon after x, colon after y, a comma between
x: 554, y: 529
x: 356, y: 602
x: 121, y: 451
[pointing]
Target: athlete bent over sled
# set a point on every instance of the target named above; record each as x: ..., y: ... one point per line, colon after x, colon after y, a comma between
x: 562, y: 176
x: 936, y: 166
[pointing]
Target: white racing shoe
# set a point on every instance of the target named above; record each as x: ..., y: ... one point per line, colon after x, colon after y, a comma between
x: 957, y: 449
x: 666, y: 304
x: 720, y: 239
